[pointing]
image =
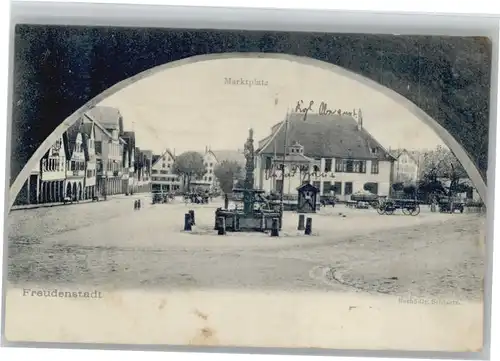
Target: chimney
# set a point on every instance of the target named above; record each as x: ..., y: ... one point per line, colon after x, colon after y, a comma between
x: 360, y: 120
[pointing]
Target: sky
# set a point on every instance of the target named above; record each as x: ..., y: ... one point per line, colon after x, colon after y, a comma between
x: 192, y: 106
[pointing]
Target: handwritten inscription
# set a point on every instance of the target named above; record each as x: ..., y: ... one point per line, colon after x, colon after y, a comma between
x: 323, y: 109
x: 304, y: 175
x: 246, y: 82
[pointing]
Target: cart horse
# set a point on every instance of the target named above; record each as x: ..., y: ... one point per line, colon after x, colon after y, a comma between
x: 409, y: 207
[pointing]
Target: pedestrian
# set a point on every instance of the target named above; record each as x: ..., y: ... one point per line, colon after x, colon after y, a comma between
x: 138, y: 204
x: 135, y: 205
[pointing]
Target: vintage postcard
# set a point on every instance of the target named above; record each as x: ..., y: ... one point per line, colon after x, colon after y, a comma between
x: 330, y: 198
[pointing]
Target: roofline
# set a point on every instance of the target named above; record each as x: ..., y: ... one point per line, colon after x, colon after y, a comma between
x: 99, y: 125
x: 210, y: 151
x: 161, y: 155
x: 273, y: 135
x: 363, y: 129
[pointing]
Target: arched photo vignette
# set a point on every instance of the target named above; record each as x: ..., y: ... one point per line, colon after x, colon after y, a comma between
x: 445, y: 136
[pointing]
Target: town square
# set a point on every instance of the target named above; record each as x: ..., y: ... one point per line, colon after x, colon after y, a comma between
x: 251, y: 202
x: 270, y: 215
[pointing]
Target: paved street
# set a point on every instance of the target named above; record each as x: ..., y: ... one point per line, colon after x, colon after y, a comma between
x: 109, y: 245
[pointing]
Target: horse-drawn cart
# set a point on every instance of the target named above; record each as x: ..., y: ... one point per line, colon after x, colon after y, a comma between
x: 409, y: 207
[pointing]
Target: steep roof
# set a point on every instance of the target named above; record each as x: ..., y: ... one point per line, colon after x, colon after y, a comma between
x: 157, y: 158
x: 396, y: 153
x: 69, y: 137
x: 87, y: 128
x: 329, y: 135
x: 108, y: 117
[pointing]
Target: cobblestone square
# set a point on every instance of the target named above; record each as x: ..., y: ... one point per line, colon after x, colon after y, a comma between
x: 111, y: 246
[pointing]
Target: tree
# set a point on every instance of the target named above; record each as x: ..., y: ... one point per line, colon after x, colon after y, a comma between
x: 398, y: 186
x: 189, y: 165
x: 439, y: 166
x: 370, y: 187
x: 227, y: 172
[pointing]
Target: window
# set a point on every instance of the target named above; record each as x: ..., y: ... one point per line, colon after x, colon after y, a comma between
x: 327, y: 187
x: 338, y: 165
x: 374, y: 169
x: 73, y: 165
x: 209, y: 179
x: 269, y: 163
x: 348, y: 166
x: 211, y: 164
x: 316, y: 169
x: 163, y: 165
x: 163, y: 158
x: 155, y: 171
x: 328, y: 165
x: 337, y: 188
x: 348, y: 188
x: 279, y: 185
x: 317, y: 184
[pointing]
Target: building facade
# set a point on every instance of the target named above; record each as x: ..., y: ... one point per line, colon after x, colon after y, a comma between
x: 162, y: 177
x: 406, y: 166
x: 52, y: 174
x: 208, y: 181
x: 129, y: 182
x: 109, y: 126
x: 75, y: 169
x: 88, y: 133
x: 332, y: 152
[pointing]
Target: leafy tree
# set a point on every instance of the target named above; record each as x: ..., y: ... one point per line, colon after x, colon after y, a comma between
x: 407, y: 188
x: 398, y: 186
x: 440, y: 165
x: 370, y: 187
x: 227, y: 172
x: 189, y: 165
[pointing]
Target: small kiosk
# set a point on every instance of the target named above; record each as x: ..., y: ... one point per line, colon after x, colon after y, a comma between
x: 307, y: 200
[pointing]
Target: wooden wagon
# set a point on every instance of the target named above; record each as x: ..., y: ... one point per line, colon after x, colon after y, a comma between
x: 409, y: 207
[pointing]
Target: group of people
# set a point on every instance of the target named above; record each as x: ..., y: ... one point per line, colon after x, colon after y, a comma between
x: 137, y: 204
x: 197, y: 197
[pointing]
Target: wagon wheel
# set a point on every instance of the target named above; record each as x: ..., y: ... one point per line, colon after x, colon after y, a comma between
x: 406, y: 211
x: 381, y: 209
x: 389, y: 211
x: 415, y: 211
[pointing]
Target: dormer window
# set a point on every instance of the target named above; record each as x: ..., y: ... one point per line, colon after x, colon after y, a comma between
x: 296, y: 148
x: 375, y: 150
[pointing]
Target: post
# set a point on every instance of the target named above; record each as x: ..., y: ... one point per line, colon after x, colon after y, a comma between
x: 301, y: 227
x: 187, y: 222
x: 226, y: 201
x: 275, y: 228
x: 308, y: 229
x: 283, y: 165
x: 221, y: 226
x: 191, y: 212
